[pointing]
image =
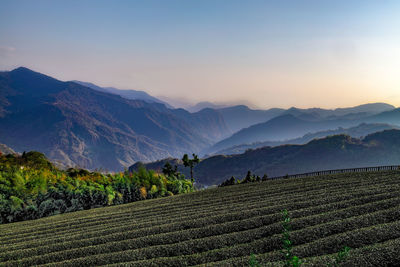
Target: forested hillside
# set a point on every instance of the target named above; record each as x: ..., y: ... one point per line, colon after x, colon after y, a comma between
x: 332, y: 152
x: 359, y: 131
x: 31, y: 187
x: 82, y: 127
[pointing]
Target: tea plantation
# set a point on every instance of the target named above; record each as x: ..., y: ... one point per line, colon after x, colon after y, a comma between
x: 224, y: 227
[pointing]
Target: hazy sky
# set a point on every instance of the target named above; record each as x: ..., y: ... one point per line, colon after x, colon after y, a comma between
x: 271, y: 53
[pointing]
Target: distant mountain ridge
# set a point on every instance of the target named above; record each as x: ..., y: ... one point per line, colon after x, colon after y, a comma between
x: 359, y: 131
x: 361, y: 110
x: 129, y: 94
x: 205, y: 105
x: 76, y: 125
x: 280, y: 128
x: 80, y: 126
x: 240, y: 116
x: 294, y: 123
x: 332, y: 152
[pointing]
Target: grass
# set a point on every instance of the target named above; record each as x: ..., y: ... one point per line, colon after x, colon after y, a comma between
x: 238, y: 225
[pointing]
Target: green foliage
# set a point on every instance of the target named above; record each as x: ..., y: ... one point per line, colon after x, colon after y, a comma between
x: 31, y: 159
x: 250, y: 178
x: 190, y: 163
x: 31, y: 187
x: 340, y: 257
x: 231, y: 181
x: 253, y: 262
x: 223, y: 227
x: 290, y: 259
x: 168, y: 170
x: 294, y: 261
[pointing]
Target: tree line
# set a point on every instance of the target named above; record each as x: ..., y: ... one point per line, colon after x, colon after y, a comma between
x: 31, y: 187
x: 249, y: 178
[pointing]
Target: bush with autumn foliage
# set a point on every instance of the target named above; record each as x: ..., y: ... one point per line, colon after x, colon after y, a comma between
x: 31, y: 187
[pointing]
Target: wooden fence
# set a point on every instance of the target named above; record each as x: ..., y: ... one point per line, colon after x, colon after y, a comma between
x: 318, y: 173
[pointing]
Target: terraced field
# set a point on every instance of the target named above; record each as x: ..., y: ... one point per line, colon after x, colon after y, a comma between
x: 223, y: 227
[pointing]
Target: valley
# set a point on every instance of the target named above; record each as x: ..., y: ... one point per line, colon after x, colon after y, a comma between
x: 332, y: 152
x: 79, y: 124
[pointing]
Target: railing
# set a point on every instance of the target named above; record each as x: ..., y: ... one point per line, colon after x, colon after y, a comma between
x: 327, y: 172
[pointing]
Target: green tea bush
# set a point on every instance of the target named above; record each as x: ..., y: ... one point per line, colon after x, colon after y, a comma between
x: 216, y: 227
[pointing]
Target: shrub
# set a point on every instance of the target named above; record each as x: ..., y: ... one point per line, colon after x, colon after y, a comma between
x: 31, y: 187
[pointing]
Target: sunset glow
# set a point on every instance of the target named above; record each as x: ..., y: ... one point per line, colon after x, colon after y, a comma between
x: 269, y: 53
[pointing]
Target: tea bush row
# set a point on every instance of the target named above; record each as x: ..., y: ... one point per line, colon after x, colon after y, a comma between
x: 220, y: 218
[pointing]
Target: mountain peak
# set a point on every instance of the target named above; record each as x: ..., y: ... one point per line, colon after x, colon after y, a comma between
x: 25, y: 73
x: 34, y: 83
x: 285, y: 118
x: 68, y: 122
x: 22, y: 69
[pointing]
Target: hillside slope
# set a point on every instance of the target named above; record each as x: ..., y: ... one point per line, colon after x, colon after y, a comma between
x: 358, y: 131
x: 332, y: 152
x: 224, y: 226
x: 128, y: 93
x: 77, y: 125
x: 294, y: 123
x: 350, y: 112
x: 280, y: 128
x: 240, y: 116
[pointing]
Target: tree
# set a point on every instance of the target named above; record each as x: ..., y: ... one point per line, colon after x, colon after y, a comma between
x: 190, y: 163
x: 170, y: 171
x: 167, y: 169
x: 249, y: 178
x: 265, y: 177
x: 227, y: 182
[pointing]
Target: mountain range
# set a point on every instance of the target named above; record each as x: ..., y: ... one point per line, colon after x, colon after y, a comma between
x: 294, y: 123
x: 80, y: 126
x: 240, y: 116
x: 332, y: 152
x: 358, y: 131
x: 128, y: 94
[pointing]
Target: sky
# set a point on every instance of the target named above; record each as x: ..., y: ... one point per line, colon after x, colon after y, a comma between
x: 303, y: 53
